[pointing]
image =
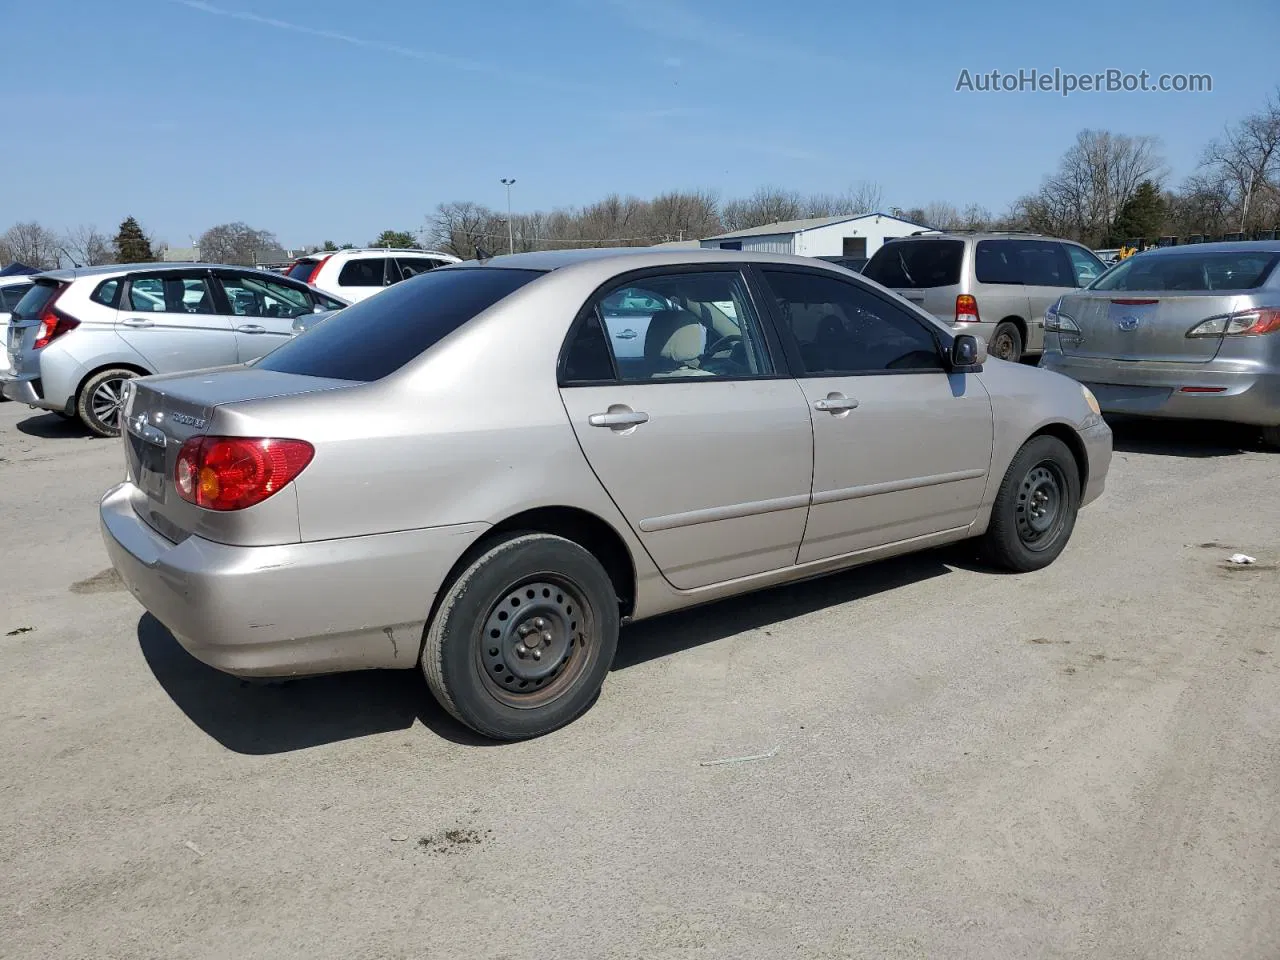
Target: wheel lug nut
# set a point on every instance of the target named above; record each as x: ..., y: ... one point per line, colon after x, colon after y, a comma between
x: 546, y: 637
x: 537, y: 654
x: 521, y: 649
x: 539, y: 623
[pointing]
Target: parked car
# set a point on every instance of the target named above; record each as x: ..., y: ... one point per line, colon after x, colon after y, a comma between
x: 77, y: 335
x: 1190, y: 332
x: 994, y: 284
x: 356, y: 274
x: 463, y: 474
x: 849, y: 263
x: 12, y: 289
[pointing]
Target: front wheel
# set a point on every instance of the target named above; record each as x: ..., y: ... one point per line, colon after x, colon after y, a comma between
x: 1035, y: 508
x: 523, y: 638
x: 101, y: 401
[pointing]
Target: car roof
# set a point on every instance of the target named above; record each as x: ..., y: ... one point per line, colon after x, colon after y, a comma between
x: 317, y: 254
x: 1221, y: 246
x: 977, y: 235
x: 120, y: 269
x: 622, y: 259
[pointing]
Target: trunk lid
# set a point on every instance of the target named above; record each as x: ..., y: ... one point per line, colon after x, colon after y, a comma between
x: 1133, y: 325
x: 163, y: 413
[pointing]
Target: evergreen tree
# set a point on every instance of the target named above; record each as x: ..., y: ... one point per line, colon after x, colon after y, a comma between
x: 1142, y: 217
x: 132, y: 245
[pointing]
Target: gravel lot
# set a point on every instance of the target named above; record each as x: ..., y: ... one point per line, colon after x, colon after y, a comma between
x: 1079, y: 762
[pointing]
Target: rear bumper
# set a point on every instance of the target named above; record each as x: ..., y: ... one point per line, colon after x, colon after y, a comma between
x: 1159, y: 389
x: 25, y: 388
x: 288, y: 610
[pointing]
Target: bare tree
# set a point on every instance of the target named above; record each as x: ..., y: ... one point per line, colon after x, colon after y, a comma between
x: 766, y: 205
x: 236, y: 243
x: 32, y: 244
x: 1244, y: 163
x: 88, y: 246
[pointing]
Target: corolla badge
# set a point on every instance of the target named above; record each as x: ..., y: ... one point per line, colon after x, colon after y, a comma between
x: 1128, y: 323
x: 188, y: 421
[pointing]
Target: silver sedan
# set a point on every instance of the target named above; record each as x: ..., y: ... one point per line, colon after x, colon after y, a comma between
x: 466, y: 475
x: 1189, y: 332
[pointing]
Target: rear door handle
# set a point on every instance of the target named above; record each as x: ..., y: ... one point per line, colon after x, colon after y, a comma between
x: 835, y: 403
x: 136, y: 322
x: 251, y: 328
x: 618, y: 418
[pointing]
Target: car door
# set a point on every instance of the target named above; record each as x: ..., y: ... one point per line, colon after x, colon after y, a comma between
x: 174, y: 321
x: 999, y: 288
x: 362, y: 277
x: 262, y: 310
x: 1087, y: 266
x: 901, y: 448
x: 704, y: 444
x: 1047, y: 275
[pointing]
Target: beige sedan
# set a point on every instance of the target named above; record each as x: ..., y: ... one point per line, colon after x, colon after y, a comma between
x: 484, y: 471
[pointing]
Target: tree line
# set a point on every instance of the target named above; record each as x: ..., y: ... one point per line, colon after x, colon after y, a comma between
x: 1108, y: 188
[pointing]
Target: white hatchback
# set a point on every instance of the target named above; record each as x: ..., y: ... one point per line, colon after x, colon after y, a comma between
x: 357, y: 274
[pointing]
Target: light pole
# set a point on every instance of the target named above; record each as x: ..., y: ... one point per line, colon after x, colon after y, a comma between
x: 511, y: 237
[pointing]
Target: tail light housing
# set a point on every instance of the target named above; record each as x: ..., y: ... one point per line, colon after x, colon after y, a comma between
x: 53, y: 322
x: 1246, y: 323
x: 1055, y: 321
x: 232, y: 473
x: 966, y: 309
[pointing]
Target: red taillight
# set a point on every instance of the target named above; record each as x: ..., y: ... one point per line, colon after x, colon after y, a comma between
x: 231, y: 473
x: 1202, y: 389
x: 315, y: 271
x: 53, y: 323
x: 966, y: 309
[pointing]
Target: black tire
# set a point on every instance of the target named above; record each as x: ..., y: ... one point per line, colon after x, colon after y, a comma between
x: 1271, y: 438
x: 95, y: 406
x: 1035, y: 508
x: 534, y: 592
x: 1006, y: 342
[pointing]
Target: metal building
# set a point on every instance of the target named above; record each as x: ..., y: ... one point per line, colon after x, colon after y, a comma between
x: 846, y: 236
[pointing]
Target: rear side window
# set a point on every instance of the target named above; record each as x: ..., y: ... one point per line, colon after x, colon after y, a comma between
x: 412, y: 266
x: 997, y: 261
x: 35, y: 300
x: 916, y: 263
x: 364, y: 273
x: 1045, y: 264
x: 1244, y: 270
x: 10, y: 295
x: 379, y: 335
x: 107, y: 293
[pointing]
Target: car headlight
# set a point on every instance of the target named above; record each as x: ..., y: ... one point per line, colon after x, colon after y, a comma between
x: 1091, y: 400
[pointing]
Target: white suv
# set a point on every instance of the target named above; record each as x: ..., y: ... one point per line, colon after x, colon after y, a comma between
x: 357, y: 274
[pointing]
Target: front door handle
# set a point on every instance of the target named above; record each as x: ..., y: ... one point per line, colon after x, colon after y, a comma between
x: 251, y: 328
x: 618, y: 418
x: 136, y: 322
x: 835, y: 403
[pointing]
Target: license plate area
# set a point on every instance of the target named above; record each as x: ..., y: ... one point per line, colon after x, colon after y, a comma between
x: 151, y: 472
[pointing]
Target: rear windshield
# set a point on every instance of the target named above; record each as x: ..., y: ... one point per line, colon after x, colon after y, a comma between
x: 378, y: 336
x: 1243, y: 270
x: 34, y: 301
x: 301, y: 270
x: 916, y: 263
x: 10, y: 295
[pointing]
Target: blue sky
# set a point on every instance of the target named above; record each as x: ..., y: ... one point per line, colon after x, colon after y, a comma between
x: 332, y: 119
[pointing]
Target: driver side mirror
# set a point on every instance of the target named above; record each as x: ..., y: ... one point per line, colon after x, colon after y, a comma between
x: 968, y: 353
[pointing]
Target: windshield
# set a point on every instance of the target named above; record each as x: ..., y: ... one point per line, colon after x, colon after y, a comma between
x: 35, y: 300
x: 1242, y: 270
x: 916, y: 263
x: 378, y: 336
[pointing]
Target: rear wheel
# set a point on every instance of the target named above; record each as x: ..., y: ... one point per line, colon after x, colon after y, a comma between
x: 101, y: 401
x: 523, y: 638
x: 1006, y: 342
x: 1035, y: 508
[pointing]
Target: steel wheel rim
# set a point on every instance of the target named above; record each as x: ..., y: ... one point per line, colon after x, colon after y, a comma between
x: 536, y: 641
x: 107, y: 401
x: 1040, y: 513
x: 1003, y: 346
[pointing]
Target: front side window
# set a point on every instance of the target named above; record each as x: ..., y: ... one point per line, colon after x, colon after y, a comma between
x: 1243, y: 270
x: 840, y: 328
x: 379, y: 335
x: 366, y: 272
x: 1088, y: 268
x: 673, y: 326
x: 256, y: 297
